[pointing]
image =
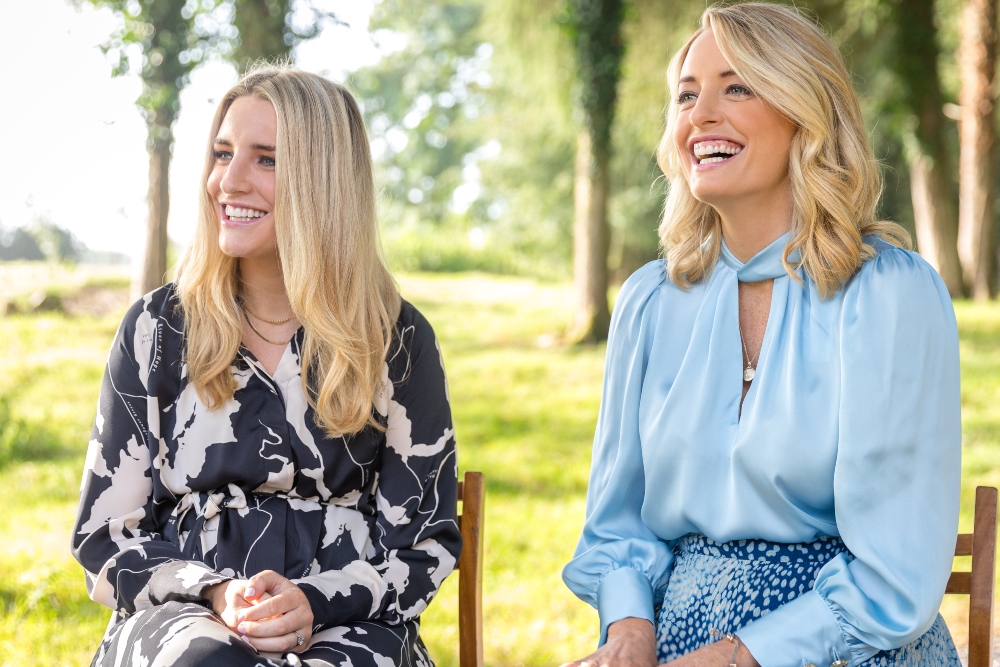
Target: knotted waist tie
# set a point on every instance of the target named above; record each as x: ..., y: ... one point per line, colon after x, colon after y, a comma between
x: 255, y: 531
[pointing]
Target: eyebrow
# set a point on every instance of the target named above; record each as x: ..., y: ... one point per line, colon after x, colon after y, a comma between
x: 259, y: 147
x: 725, y: 75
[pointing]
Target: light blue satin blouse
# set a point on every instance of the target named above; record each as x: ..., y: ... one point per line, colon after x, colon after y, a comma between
x: 851, y: 428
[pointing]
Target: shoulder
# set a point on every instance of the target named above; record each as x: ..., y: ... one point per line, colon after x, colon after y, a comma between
x: 160, y: 304
x: 412, y: 328
x: 896, y: 290
x: 148, y: 317
x: 413, y: 343
x: 640, y: 286
x: 894, y: 273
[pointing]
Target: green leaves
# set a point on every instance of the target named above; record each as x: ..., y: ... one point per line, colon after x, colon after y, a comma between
x: 595, y: 29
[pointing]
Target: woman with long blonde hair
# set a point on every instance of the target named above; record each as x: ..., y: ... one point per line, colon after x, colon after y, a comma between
x: 776, y: 465
x: 269, y: 477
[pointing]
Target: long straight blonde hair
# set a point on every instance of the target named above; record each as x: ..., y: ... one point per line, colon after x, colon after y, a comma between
x: 325, y: 223
x: 796, y: 69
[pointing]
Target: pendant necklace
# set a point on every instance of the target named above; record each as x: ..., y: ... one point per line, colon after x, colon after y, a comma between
x: 749, y: 371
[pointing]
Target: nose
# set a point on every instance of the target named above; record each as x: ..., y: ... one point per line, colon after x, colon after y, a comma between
x: 235, y: 179
x: 705, y: 111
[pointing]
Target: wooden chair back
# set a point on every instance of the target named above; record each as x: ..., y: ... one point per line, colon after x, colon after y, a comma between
x: 978, y: 584
x: 472, y: 496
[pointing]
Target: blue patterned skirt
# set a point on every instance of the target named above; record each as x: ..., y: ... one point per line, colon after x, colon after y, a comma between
x: 726, y: 586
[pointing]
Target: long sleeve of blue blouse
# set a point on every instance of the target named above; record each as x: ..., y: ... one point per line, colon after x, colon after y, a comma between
x: 621, y: 567
x: 850, y: 429
x: 897, y: 476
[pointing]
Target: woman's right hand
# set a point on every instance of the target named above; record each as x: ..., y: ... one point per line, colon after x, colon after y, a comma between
x: 631, y: 643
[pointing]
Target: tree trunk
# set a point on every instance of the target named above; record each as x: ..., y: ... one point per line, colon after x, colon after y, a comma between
x: 914, y: 59
x: 977, y: 60
x: 934, y: 218
x: 262, y: 31
x: 152, y: 272
x: 590, y: 243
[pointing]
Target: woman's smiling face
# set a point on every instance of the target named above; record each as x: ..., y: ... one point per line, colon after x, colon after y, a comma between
x: 733, y: 145
x: 241, y: 183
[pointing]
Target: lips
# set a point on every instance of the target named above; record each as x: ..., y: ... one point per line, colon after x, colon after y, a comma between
x: 715, y: 150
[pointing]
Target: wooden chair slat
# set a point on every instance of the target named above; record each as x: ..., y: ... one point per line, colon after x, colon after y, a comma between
x: 959, y: 583
x: 472, y: 495
x: 964, y: 545
x: 982, y: 578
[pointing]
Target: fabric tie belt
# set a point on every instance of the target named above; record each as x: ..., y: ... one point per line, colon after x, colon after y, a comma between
x: 254, y: 531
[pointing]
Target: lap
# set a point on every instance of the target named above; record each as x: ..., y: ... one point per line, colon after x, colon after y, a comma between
x: 711, y: 586
x: 184, y: 634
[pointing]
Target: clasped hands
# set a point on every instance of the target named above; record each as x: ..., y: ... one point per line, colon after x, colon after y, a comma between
x: 265, y: 610
x: 632, y: 643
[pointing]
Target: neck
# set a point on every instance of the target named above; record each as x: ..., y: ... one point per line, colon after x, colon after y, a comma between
x: 750, y: 225
x: 264, y: 286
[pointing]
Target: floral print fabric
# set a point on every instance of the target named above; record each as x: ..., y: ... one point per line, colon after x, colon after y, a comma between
x: 176, y: 497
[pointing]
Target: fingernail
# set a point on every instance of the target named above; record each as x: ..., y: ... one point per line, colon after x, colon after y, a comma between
x: 242, y: 627
x: 245, y: 638
x: 242, y: 616
x: 251, y: 592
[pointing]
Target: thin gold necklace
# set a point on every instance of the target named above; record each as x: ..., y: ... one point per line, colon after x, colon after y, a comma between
x: 262, y: 336
x: 264, y: 319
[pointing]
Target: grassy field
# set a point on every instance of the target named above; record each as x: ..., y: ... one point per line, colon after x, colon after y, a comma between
x: 524, y: 407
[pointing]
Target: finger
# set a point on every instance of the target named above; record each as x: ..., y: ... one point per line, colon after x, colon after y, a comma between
x: 279, y: 624
x: 279, y: 604
x: 234, y: 589
x: 261, y: 582
x: 273, y: 627
x: 280, y: 644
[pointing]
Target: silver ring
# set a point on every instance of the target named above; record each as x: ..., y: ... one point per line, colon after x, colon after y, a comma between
x: 299, y: 639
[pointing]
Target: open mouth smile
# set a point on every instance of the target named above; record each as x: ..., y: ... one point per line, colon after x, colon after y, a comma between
x: 240, y: 214
x: 715, y: 150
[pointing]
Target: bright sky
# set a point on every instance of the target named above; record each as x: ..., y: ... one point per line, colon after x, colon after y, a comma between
x: 75, y: 141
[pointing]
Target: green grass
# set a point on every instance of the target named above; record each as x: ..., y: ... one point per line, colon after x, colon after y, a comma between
x: 524, y: 407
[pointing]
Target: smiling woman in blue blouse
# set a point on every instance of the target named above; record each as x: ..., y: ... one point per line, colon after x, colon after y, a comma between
x: 776, y: 465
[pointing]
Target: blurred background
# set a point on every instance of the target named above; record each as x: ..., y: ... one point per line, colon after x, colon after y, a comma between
x: 514, y: 145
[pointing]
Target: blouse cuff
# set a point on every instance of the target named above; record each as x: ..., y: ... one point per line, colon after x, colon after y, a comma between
x: 623, y: 593
x: 799, y: 632
x: 182, y: 581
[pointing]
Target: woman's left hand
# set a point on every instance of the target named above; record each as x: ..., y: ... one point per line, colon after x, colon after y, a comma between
x: 270, y: 624
x: 715, y: 654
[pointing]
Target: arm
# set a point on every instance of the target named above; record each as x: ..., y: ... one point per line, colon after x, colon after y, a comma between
x: 897, y: 478
x: 129, y: 566
x: 416, y: 542
x: 620, y: 566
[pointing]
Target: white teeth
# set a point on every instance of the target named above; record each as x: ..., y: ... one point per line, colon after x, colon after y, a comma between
x: 710, y: 160
x: 244, y: 213
x: 715, y: 148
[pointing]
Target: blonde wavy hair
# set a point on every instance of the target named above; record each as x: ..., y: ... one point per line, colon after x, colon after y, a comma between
x: 325, y: 223
x: 795, y: 68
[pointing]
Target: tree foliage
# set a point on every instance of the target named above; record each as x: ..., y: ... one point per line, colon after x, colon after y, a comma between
x: 595, y: 30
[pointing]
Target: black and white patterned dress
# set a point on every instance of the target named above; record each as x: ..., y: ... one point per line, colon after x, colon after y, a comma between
x: 176, y: 497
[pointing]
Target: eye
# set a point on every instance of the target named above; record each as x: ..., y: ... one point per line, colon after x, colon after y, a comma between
x: 739, y: 90
x: 222, y: 156
x: 686, y: 97
x: 266, y: 161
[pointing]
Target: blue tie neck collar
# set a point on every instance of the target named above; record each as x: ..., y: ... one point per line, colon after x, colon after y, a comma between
x: 765, y: 265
